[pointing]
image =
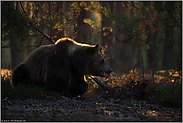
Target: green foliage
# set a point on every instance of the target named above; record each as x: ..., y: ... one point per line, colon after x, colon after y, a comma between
x: 14, y: 25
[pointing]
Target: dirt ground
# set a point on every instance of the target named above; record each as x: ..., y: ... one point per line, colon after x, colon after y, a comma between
x: 86, y: 108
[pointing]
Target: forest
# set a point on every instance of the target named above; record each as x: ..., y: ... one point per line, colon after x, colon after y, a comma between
x: 141, y: 42
x: 144, y: 35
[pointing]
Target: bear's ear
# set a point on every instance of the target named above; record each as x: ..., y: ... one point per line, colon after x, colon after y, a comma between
x: 97, y: 48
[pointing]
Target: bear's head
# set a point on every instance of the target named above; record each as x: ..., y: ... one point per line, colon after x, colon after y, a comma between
x: 88, y: 60
x: 97, y: 64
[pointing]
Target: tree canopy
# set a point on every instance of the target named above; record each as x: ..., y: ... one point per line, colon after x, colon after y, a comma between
x: 130, y: 32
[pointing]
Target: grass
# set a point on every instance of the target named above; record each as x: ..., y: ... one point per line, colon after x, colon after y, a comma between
x: 167, y: 91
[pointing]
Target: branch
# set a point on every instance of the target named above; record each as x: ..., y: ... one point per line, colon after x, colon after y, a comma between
x: 100, y: 83
x: 124, y: 40
x: 39, y: 30
x: 169, y: 77
x: 71, y: 20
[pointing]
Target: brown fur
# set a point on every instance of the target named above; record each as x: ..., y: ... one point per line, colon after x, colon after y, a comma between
x: 61, y: 67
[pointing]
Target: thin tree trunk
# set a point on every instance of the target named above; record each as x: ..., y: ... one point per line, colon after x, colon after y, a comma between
x: 118, y: 46
x: 168, y: 60
x: 80, y: 36
x: 13, y: 46
x: 14, y: 56
x: 57, y: 34
x: 150, y: 54
x: 107, y: 35
x: 129, y: 49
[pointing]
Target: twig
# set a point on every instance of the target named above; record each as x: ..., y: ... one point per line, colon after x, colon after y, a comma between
x: 124, y: 40
x: 151, y: 45
x: 71, y: 20
x: 100, y: 83
x: 139, y: 105
x: 46, y: 95
x: 40, y: 41
x: 169, y: 77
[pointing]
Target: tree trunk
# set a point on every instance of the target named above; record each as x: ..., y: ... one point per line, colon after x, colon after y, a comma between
x: 13, y: 47
x: 179, y: 55
x: 149, y: 41
x: 107, y: 36
x: 129, y: 48
x: 58, y: 33
x: 14, y: 56
x: 168, y: 60
x: 118, y: 46
x: 83, y: 29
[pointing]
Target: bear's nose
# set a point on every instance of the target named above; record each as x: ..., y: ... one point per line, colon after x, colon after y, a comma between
x: 109, y: 71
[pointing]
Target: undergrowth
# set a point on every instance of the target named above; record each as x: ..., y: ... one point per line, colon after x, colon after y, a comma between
x: 165, y: 88
x: 162, y: 88
x: 23, y: 91
x: 26, y: 92
x: 168, y: 94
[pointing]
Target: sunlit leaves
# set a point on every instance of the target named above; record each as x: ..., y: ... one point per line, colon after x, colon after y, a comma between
x: 90, y: 22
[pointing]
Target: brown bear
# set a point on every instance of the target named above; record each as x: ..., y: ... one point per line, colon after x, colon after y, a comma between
x: 62, y: 67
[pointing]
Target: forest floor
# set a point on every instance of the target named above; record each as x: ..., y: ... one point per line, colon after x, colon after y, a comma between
x: 88, y: 108
x: 135, y: 101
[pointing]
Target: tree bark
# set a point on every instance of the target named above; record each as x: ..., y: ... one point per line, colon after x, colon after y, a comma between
x: 129, y: 48
x: 57, y: 34
x: 168, y: 59
x: 118, y: 46
x: 13, y: 47
x: 83, y: 29
x: 14, y: 55
x: 150, y: 54
x: 107, y: 36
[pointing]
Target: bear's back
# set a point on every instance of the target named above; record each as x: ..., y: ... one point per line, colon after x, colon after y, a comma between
x: 39, y: 55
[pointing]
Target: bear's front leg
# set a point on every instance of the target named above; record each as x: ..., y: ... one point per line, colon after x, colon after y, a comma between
x: 79, y: 89
x: 77, y: 85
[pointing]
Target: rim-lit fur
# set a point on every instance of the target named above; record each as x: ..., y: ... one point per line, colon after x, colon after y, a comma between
x: 61, y: 66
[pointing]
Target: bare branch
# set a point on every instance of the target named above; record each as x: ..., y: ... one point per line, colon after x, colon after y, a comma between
x: 170, y: 76
x: 100, y: 83
x: 40, y: 41
x: 124, y: 41
x: 71, y: 20
x: 39, y: 30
